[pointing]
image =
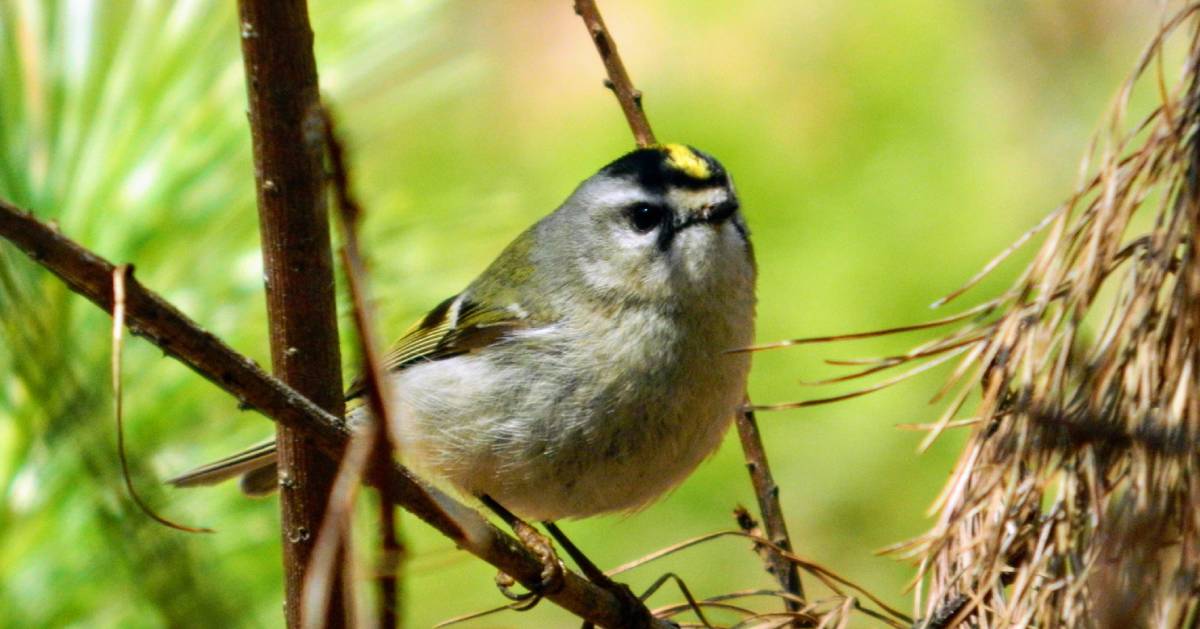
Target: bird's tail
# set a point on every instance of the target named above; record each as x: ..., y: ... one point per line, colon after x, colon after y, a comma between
x: 256, y: 466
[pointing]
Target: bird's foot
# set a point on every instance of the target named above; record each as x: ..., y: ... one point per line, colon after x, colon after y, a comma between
x: 629, y: 601
x: 552, y: 568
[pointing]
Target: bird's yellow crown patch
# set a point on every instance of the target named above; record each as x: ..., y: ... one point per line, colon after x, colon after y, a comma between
x: 686, y: 160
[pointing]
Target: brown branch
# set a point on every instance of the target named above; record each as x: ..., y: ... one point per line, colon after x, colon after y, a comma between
x: 281, y: 86
x: 152, y: 318
x: 767, y: 494
x: 332, y: 554
x: 765, y: 488
x: 392, y: 553
x: 618, y: 79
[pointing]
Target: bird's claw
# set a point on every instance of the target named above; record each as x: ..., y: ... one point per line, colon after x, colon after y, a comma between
x: 521, y: 600
x: 552, y: 578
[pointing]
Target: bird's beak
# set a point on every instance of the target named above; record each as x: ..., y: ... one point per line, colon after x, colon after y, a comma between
x: 718, y: 213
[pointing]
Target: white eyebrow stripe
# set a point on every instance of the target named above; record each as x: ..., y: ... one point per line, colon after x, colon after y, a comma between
x: 695, y: 199
x: 616, y: 197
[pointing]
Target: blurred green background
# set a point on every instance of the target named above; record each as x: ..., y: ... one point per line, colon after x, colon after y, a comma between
x: 883, y: 152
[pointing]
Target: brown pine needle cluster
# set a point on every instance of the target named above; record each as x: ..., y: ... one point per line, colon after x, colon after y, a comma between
x: 1076, y: 501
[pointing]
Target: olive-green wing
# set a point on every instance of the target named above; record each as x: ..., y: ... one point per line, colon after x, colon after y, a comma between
x: 456, y: 326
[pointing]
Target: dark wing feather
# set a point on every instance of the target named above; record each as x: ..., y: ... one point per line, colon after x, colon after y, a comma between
x: 456, y: 326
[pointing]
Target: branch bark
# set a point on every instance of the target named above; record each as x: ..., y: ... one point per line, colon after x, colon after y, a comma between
x: 767, y: 494
x: 765, y: 489
x: 284, y: 109
x: 152, y: 318
x: 618, y: 79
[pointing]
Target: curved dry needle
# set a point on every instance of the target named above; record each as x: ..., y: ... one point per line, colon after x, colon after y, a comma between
x: 818, y: 570
x: 679, y: 608
x: 687, y: 595
x: 928, y: 346
x: 790, y: 618
x: 670, y: 550
x: 800, y: 614
x: 894, y: 361
x: 1001, y: 257
x: 979, y: 309
x: 473, y: 615
x: 730, y: 596
x: 829, y: 578
x: 786, y: 619
x: 658, y: 583
x: 118, y: 343
x: 957, y: 423
x: 865, y: 390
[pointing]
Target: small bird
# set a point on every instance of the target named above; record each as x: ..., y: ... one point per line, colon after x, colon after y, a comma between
x: 586, y: 370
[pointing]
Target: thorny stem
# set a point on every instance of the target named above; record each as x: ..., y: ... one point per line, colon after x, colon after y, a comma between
x: 283, y: 98
x: 618, y: 79
x: 152, y: 318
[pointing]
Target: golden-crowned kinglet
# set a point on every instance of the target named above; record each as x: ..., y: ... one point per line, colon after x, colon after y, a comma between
x: 586, y: 370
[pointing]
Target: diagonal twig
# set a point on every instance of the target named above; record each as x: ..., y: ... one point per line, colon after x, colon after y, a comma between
x: 618, y: 81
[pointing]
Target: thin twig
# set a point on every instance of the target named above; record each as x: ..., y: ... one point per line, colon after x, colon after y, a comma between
x: 766, y: 492
x: 384, y: 447
x: 392, y: 555
x: 321, y: 579
x: 618, y: 79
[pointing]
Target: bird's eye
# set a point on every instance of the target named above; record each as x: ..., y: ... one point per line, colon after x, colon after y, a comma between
x: 645, y: 217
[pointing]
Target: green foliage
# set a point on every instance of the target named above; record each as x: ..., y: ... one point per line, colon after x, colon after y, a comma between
x: 881, y: 156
